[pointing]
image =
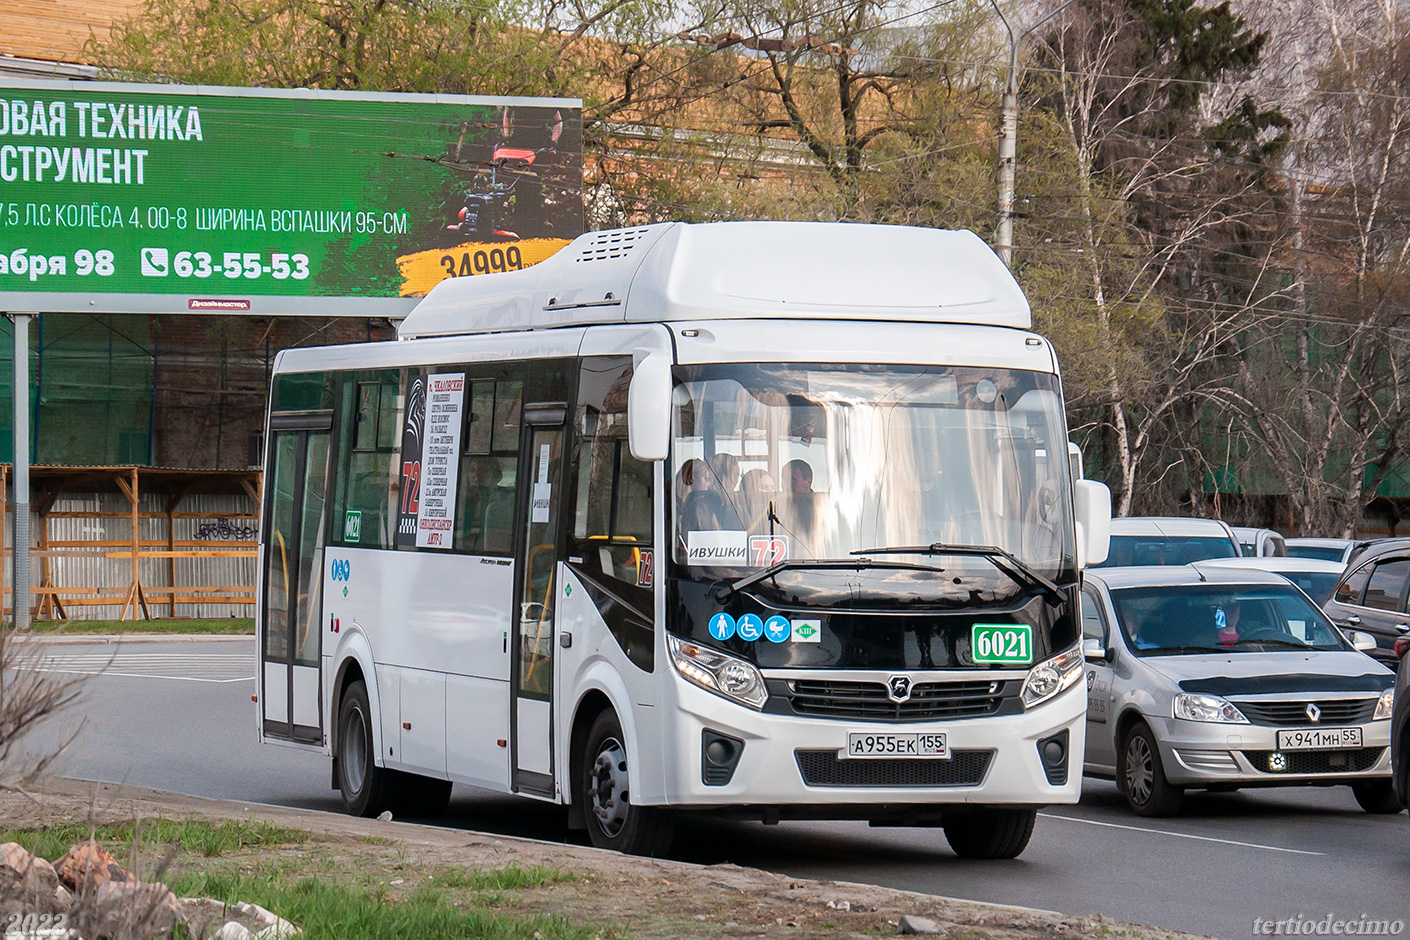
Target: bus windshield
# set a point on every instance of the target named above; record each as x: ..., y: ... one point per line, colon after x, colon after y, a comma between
x: 812, y: 462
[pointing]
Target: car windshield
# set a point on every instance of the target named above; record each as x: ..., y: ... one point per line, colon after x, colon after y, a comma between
x: 1315, y: 551
x: 1144, y: 550
x: 807, y: 462
x: 1317, y: 585
x: 1220, y: 618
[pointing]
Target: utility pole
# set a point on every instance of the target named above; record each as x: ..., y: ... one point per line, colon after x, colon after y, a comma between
x: 20, y: 564
x: 1008, y: 135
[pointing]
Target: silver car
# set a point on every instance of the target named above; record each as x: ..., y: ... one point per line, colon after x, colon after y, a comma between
x: 1168, y: 540
x: 1217, y: 678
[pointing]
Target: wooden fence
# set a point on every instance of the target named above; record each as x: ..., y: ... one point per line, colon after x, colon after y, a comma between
x: 166, y: 487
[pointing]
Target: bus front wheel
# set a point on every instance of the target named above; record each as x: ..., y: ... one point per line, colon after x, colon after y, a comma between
x: 367, y: 789
x: 990, y: 833
x: 604, y: 796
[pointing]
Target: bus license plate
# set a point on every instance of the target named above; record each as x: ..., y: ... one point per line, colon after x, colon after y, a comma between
x: 933, y: 745
x: 1318, y: 738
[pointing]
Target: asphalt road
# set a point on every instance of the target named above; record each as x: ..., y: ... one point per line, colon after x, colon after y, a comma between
x: 177, y: 716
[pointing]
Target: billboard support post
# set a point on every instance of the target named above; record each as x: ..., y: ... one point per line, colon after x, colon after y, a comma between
x: 20, y: 565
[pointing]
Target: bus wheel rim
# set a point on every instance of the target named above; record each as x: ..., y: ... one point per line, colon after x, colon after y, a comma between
x: 354, y: 762
x: 610, y: 788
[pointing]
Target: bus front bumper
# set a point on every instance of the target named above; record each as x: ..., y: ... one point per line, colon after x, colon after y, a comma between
x: 791, y: 761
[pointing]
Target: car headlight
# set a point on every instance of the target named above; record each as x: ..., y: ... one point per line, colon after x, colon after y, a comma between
x: 1051, y: 676
x: 720, y: 673
x: 1384, y: 705
x: 1207, y: 708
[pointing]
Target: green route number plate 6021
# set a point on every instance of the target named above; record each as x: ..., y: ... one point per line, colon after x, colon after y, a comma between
x: 1002, y: 643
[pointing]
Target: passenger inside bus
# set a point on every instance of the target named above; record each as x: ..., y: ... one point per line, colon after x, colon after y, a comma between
x: 697, y: 504
x: 756, y: 491
x: 801, y: 502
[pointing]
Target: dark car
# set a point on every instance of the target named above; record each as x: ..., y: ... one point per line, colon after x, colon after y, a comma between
x: 1371, y: 596
x: 1400, y: 724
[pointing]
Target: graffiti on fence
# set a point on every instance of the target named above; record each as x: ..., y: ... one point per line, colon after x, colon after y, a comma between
x: 223, y: 530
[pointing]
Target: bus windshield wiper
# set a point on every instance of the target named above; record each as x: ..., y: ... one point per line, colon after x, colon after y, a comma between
x: 1004, y: 561
x: 763, y: 574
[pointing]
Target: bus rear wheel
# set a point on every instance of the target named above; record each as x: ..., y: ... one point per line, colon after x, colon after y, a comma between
x: 604, y: 796
x: 367, y: 789
x: 990, y: 833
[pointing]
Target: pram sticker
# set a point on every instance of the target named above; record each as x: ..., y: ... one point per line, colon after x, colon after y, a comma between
x: 778, y: 629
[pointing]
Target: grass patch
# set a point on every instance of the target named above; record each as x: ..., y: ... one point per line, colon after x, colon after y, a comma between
x: 193, y: 835
x: 508, y: 878
x: 111, y: 627
x: 330, y: 911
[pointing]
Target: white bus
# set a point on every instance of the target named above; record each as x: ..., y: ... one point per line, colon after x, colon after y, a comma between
x: 766, y: 519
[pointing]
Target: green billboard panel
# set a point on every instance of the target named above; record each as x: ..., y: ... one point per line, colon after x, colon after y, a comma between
x: 166, y: 198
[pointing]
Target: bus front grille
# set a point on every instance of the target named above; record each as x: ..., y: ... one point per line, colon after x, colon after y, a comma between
x: 965, y: 768
x: 868, y: 701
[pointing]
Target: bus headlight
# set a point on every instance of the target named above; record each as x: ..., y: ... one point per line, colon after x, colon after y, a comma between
x: 722, y: 674
x: 1052, y: 676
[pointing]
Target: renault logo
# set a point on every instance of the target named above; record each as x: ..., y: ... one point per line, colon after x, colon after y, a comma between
x: 1314, y: 714
x: 898, y: 688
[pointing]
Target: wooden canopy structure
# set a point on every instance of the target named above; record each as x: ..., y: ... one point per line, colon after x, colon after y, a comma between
x: 228, y: 534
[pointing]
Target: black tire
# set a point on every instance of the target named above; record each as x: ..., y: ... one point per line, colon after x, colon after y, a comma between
x: 1377, y: 797
x: 420, y: 796
x: 604, y: 796
x: 367, y: 789
x: 1142, y: 774
x: 990, y: 833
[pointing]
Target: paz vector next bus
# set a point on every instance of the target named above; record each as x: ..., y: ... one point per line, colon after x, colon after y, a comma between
x: 767, y: 519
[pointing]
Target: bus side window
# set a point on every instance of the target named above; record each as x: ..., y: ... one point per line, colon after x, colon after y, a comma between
x: 485, y: 514
x: 367, y: 460
x: 485, y: 496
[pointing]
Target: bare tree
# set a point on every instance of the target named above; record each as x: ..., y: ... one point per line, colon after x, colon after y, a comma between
x: 1148, y: 199
x: 1330, y: 417
x: 31, y: 694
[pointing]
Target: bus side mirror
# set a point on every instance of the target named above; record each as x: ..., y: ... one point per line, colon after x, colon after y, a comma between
x: 1074, y: 460
x: 1092, y: 509
x: 649, y: 406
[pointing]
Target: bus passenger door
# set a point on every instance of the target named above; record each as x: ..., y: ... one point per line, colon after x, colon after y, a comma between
x: 541, y: 468
x: 290, y: 636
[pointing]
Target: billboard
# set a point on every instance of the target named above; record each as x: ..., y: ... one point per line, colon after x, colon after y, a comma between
x: 166, y: 199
